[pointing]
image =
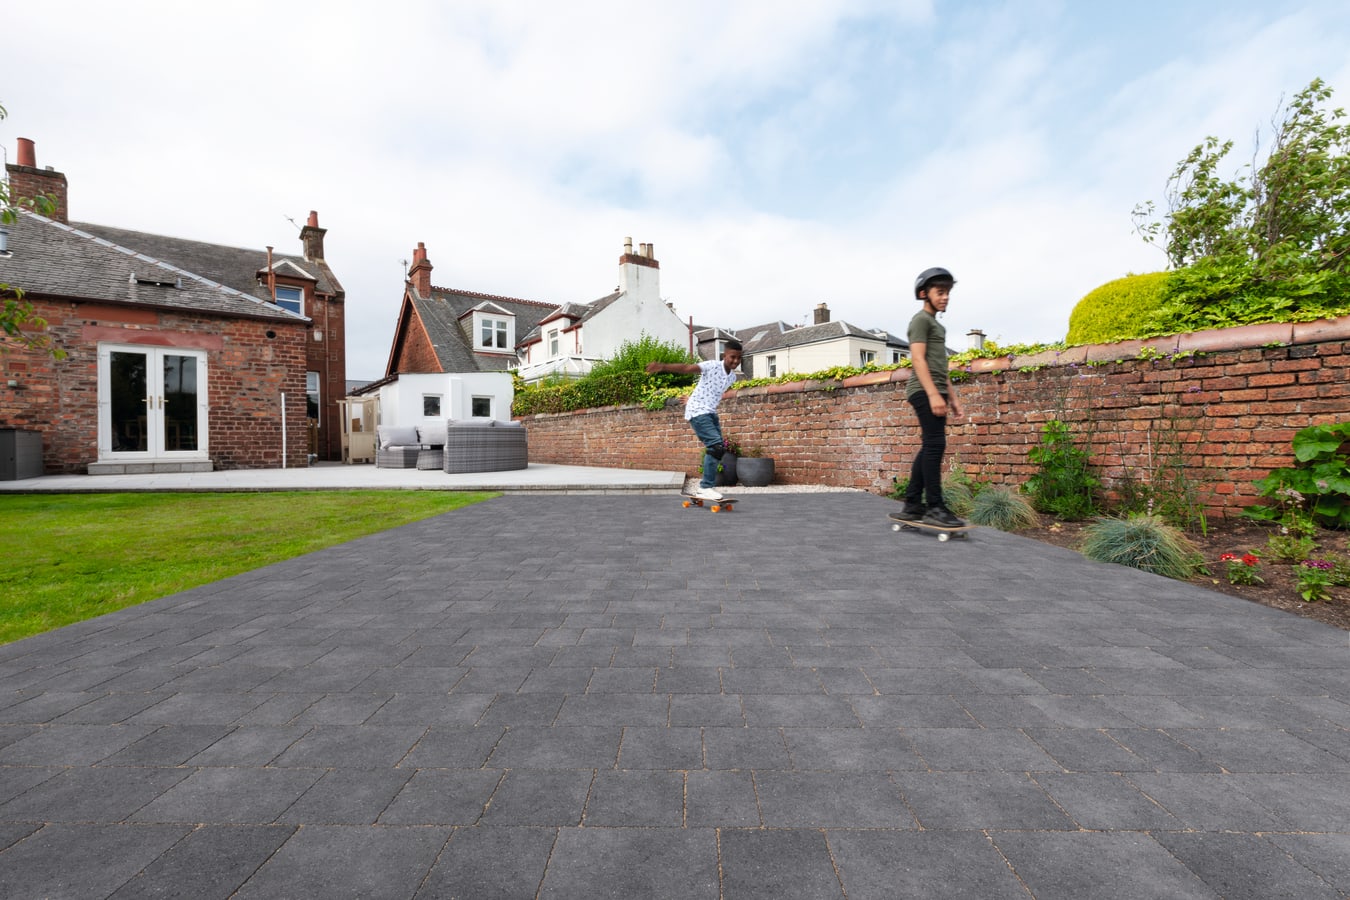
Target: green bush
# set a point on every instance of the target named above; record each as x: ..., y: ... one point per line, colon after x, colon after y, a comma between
x: 1318, y: 484
x: 616, y: 381
x: 1064, y: 486
x: 1002, y: 508
x: 1117, y: 310
x: 1146, y: 543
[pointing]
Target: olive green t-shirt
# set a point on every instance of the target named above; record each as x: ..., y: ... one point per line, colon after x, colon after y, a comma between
x: 925, y: 329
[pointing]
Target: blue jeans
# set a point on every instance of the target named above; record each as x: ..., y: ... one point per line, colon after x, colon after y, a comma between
x: 708, y: 428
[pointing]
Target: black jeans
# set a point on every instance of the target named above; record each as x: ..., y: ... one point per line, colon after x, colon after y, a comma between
x: 925, y: 476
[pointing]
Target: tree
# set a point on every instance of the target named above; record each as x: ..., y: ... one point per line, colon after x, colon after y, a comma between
x: 1270, y: 244
x: 18, y: 318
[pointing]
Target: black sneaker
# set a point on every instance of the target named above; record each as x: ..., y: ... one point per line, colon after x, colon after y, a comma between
x: 912, y: 511
x: 941, y: 517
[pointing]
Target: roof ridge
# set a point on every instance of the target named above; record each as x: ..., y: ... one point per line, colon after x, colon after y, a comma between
x: 446, y: 290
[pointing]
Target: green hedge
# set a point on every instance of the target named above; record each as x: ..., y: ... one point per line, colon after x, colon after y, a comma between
x: 1118, y: 310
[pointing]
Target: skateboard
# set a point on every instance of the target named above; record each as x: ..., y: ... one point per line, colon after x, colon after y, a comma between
x: 726, y: 504
x: 943, y: 533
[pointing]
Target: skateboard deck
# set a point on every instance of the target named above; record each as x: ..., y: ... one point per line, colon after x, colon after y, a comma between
x: 943, y: 533
x: 726, y: 504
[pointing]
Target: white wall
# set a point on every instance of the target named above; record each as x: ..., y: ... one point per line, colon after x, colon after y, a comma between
x: 401, y: 401
x: 807, y: 358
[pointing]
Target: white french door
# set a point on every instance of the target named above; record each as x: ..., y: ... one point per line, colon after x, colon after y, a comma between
x: 151, y: 403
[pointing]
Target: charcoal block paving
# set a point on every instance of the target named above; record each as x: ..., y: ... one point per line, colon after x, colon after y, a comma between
x: 512, y: 701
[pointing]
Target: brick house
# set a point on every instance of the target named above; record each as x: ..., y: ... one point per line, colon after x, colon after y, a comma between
x: 445, y: 330
x: 181, y: 355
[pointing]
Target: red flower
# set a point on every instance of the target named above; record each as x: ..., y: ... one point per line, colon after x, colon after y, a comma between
x: 1249, y: 559
x: 1228, y: 557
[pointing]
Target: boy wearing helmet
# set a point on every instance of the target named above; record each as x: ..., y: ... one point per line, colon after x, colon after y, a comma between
x: 933, y: 397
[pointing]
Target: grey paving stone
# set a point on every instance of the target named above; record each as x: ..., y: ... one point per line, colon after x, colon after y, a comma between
x: 91, y: 795
x: 745, y: 748
x: 440, y: 797
x: 14, y: 780
x: 491, y: 864
x: 12, y: 833
x: 991, y: 800
x: 253, y: 745
x: 212, y: 861
x: 527, y: 797
x: 199, y: 709
x: 1246, y: 867
x: 979, y: 749
x: 454, y: 747
x: 355, y: 746
x: 72, y: 745
x: 777, y: 863
x: 710, y: 710
x: 1259, y: 750
x: 557, y: 748
x: 511, y: 709
x: 884, y: 865
x: 77, y: 861
x: 436, y: 708
x: 229, y: 796
x: 1073, y: 865
x: 830, y: 800
x: 1105, y: 802
x: 1328, y: 855
x: 347, y: 797
x: 1207, y: 802
x: 622, y: 863
x: 763, y: 710
x: 1313, y: 802
x: 647, y: 747
x: 851, y: 750
x: 721, y: 800
x: 333, y: 861
x: 636, y: 799
x: 600, y: 710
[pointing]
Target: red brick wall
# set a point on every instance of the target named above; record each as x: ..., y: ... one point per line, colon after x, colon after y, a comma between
x: 1234, y: 409
x: 416, y: 355
x: 247, y: 372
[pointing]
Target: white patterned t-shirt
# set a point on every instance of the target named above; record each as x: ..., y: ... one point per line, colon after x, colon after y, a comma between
x: 713, y: 381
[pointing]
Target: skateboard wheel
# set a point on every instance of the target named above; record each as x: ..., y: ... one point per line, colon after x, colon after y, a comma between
x: 687, y: 504
x: 943, y: 538
x: 716, y: 508
x: 896, y: 527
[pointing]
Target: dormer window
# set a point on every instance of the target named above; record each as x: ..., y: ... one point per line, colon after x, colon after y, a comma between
x: 494, y: 331
x: 292, y: 298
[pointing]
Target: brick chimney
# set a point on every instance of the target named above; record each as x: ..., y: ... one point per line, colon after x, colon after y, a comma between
x: 312, y: 237
x: 640, y: 273
x: 419, y: 276
x: 822, y: 314
x: 26, y: 180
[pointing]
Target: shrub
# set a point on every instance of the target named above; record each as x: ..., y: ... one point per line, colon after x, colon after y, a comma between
x: 1116, y: 310
x: 1146, y: 543
x: 1318, y: 484
x: 1065, y: 485
x: 959, y: 498
x: 1001, y: 508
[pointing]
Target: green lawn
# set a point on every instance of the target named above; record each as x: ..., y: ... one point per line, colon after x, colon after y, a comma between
x: 70, y: 557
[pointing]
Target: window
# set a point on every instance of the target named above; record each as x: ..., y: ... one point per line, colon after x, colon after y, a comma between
x: 553, y: 343
x: 292, y: 298
x: 481, y: 407
x: 895, y: 356
x: 431, y: 404
x: 866, y: 357
x: 772, y: 363
x: 493, y: 334
x: 312, y: 395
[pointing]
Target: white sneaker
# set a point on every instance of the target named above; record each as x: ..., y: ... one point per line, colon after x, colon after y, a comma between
x: 707, y: 494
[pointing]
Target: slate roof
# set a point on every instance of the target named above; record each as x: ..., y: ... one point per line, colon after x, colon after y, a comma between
x: 234, y: 267
x: 779, y: 335
x: 50, y: 258
x: 577, y: 312
x: 441, y: 315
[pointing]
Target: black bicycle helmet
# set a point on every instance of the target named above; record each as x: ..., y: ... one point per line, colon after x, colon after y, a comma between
x: 930, y: 276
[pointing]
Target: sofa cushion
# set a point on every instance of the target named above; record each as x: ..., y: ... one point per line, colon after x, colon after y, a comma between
x: 431, y: 435
x: 397, y: 436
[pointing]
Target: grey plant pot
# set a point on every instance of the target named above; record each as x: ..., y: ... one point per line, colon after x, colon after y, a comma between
x: 755, y: 471
x: 727, y: 477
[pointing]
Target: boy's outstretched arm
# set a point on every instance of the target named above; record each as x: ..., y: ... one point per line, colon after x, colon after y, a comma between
x: 658, y: 368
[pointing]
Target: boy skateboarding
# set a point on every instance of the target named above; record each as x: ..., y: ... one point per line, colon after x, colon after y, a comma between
x: 933, y: 397
x: 714, y: 377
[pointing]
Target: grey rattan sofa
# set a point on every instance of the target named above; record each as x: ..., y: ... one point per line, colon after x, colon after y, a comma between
x: 485, y: 446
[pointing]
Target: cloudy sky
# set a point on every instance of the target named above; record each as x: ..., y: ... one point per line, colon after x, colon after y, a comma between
x: 777, y: 155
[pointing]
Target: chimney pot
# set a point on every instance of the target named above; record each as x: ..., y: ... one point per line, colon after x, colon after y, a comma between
x: 627, y: 246
x: 27, y: 153
x: 313, y: 219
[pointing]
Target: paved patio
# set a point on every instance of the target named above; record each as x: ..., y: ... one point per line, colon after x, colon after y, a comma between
x: 611, y: 696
